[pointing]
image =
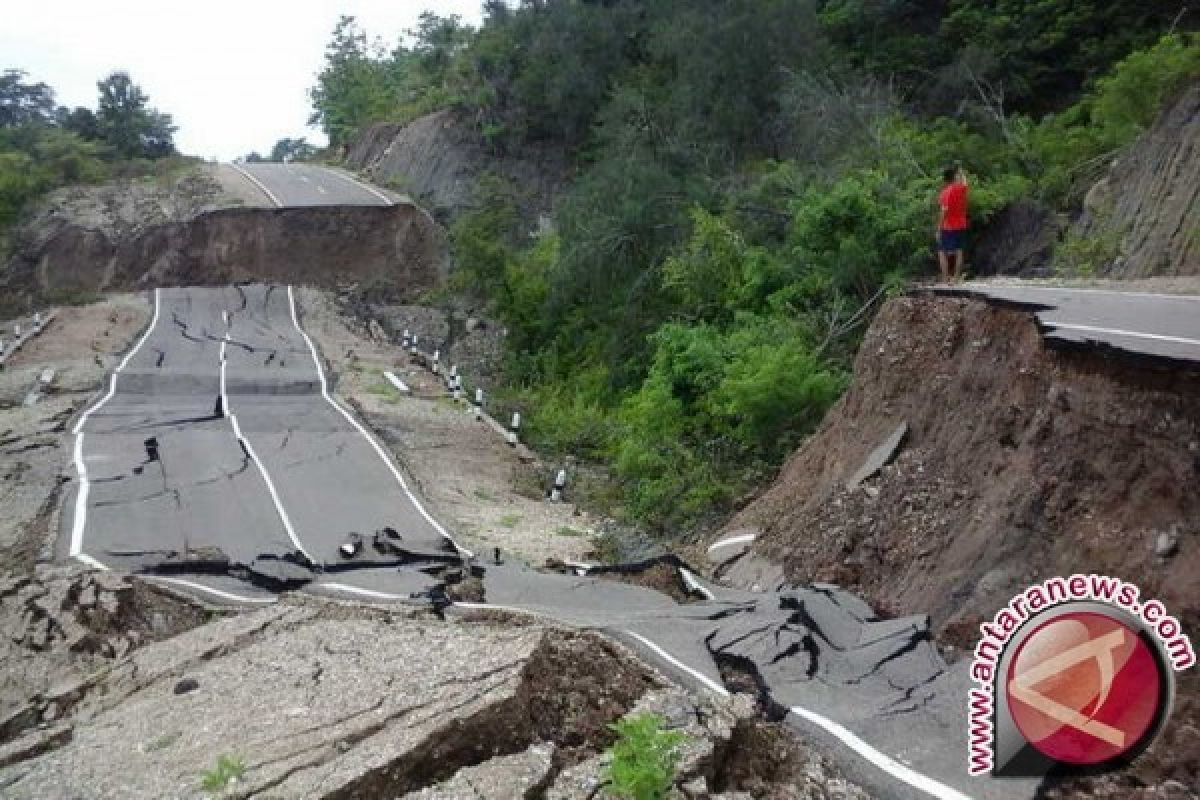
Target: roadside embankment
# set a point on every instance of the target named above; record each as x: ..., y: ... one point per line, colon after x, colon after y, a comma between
x: 1015, y: 463
x: 1019, y: 463
x: 396, y: 248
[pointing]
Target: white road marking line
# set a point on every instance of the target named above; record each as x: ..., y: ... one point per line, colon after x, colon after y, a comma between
x: 342, y: 587
x: 732, y: 540
x: 693, y: 584
x: 91, y: 562
x: 200, y: 587
x: 370, y: 439
x: 262, y: 469
x: 387, y: 201
x: 847, y: 737
x: 75, y: 548
x: 884, y: 762
x: 675, y: 662
x: 1055, y: 326
x: 270, y: 195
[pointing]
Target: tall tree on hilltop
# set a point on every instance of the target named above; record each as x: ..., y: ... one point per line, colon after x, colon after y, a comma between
x: 287, y: 149
x: 24, y: 103
x: 126, y: 122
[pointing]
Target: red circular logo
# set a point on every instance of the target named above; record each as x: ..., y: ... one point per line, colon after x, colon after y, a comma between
x: 1084, y: 688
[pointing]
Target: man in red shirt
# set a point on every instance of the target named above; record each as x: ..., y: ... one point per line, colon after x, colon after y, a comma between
x: 951, y: 230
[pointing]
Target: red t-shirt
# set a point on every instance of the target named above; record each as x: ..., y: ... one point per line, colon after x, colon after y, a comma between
x: 953, y: 201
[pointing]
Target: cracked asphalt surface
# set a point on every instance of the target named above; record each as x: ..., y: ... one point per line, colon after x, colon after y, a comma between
x: 219, y: 462
x: 169, y: 475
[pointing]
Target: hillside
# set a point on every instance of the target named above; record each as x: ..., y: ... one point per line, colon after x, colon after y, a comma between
x: 685, y: 215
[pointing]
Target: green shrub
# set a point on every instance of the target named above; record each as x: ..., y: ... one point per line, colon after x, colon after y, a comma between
x: 229, y: 769
x: 644, y: 758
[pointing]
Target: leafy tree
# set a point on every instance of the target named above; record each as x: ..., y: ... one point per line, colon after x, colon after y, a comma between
x: 291, y: 150
x: 1048, y: 50
x: 126, y: 122
x: 356, y: 87
x: 81, y: 121
x: 23, y: 103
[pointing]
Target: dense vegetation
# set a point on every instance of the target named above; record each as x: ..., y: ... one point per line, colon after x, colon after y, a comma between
x: 752, y: 176
x: 44, y: 146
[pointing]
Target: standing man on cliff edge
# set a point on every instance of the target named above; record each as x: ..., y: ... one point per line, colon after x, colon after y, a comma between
x: 951, y: 233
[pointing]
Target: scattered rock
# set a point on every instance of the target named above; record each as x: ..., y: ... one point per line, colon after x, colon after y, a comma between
x: 186, y: 685
x: 1166, y: 544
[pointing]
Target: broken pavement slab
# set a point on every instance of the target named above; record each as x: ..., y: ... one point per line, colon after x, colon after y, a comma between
x: 879, y: 457
x: 321, y: 699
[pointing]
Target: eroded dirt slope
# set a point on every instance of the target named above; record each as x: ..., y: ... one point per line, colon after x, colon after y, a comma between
x: 1019, y: 464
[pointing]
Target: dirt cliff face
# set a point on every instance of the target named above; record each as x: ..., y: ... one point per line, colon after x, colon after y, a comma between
x: 397, y: 249
x: 1020, y: 463
x: 440, y: 158
x: 1152, y: 197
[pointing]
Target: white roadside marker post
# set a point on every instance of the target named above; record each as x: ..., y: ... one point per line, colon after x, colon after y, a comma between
x: 405, y: 340
x: 437, y: 357
x: 514, y: 428
x: 37, y: 319
x: 479, y: 403
x: 458, y: 390
x: 560, y: 486
x: 16, y: 328
x: 412, y: 349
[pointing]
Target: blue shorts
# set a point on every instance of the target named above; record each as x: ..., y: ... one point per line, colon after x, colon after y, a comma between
x: 950, y: 241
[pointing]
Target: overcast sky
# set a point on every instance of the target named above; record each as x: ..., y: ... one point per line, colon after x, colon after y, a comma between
x: 233, y: 74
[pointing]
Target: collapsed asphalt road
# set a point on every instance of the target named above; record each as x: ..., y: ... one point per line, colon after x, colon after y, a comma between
x: 217, y: 449
x: 217, y: 460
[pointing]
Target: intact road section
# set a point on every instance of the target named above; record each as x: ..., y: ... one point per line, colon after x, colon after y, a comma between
x: 300, y: 185
x: 217, y: 441
x: 1157, y: 326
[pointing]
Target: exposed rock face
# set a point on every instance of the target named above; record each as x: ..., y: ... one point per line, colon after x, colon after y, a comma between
x: 397, y: 248
x: 1018, y: 241
x: 440, y: 158
x: 1152, y: 195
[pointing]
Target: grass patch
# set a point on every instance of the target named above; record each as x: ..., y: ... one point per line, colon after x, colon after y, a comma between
x: 510, y: 520
x: 567, y: 530
x: 385, y: 390
x: 484, y: 495
x: 229, y: 769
